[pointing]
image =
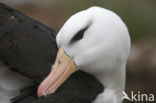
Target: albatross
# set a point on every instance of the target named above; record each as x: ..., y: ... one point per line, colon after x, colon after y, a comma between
x: 27, y: 51
x: 96, y: 41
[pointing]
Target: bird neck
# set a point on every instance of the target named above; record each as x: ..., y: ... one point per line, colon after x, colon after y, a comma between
x: 114, y: 84
x: 108, y: 96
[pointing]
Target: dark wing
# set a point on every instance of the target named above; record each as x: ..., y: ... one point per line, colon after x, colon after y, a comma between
x: 80, y: 87
x: 26, y: 45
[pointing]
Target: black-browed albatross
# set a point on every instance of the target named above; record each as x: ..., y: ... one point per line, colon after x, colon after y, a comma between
x: 97, y: 41
x: 29, y: 49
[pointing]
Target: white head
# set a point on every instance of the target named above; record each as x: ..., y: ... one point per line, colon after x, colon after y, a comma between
x: 98, y: 42
x: 102, y: 41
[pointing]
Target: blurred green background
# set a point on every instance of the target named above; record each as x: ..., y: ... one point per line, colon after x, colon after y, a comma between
x: 139, y: 16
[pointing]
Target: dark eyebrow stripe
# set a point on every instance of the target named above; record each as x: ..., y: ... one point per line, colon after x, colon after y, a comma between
x: 79, y: 35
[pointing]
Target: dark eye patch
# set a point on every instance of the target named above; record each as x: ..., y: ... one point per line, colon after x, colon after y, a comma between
x: 79, y: 35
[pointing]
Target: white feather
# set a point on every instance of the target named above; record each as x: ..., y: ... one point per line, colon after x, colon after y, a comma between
x: 10, y: 83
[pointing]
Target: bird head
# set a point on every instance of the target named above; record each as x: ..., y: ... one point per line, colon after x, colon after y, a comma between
x: 94, y: 40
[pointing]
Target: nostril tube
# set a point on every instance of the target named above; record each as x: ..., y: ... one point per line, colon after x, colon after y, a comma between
x: 59, y: 61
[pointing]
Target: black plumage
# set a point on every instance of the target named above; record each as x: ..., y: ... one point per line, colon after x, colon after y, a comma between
x: 80, y: 87
x: 29, y: 47
x: 25, y: 44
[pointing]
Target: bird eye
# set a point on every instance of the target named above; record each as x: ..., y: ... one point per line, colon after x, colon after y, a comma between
x: 79, y: 35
